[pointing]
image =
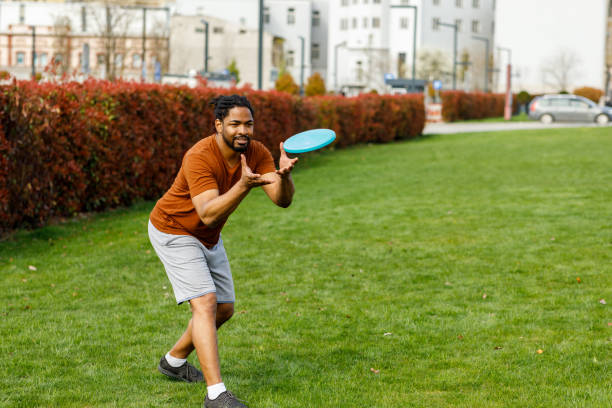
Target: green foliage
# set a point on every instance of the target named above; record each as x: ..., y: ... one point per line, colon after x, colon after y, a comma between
x: 285, y: 83
x: 233, y: 70
x: 523, y: 97
x: 315, y: 85
x: 443, y: 264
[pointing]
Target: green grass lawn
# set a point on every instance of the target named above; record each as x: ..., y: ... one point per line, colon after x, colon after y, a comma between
x: 417, y: 274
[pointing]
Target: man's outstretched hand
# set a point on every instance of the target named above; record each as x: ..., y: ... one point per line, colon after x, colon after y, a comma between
x: 285, y: 164
x: 250, y: 179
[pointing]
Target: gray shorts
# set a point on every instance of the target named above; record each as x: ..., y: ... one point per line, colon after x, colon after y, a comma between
x: 193, y: 269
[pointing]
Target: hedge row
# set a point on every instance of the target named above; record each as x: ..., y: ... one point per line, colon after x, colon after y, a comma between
x: 76, y: 147
x: 459, y: 105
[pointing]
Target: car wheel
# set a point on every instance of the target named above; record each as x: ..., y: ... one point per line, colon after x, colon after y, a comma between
x: 602, y: 119
x: 547, y: 119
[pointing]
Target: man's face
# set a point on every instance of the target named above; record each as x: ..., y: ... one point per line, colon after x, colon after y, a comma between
x: 236, y: 128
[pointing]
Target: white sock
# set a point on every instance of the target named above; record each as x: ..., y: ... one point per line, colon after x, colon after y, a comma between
x: 173, y: 361
x: 215, y: 390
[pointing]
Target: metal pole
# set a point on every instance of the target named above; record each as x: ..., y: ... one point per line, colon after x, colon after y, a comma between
x: 414, y: 36
x: 336, y: 47
x: 260, y: 46
x: 302, y: 67
x: 33, y: 53
x: 455, y: 28
x: 205, y: 45
x: 486, y: 41
x: 144, y: 39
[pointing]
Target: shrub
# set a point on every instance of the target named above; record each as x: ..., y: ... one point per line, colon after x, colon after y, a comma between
x: 76, y: 147
x: 593, y: 94
x: 459, y: 105
x: 315, y: 85
x: 285, y: 83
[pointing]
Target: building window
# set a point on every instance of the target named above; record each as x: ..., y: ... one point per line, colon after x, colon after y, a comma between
x: 22, y: 14
x: 266, y: 15
x: 119, y: 60
x: 375, y: 22
x: 20, y: 58
x: 101, y: 59
x: 41, y: 59
x: 344, y: 24
x: 217, y: 30
x: 354, y: 22
x: 290, y: 58
x: 476, y: 3
x: 316, y: 18
x: 493, y: 4
x: 404, y: 23
x: 492, y: 27
x: 315, y: 51
x: 83, y: 19
x: 290, y: 16
x: 475, y: 26
x: 435, y: 24
x: 365, y: 22
x: 136, y: 61
x: 359, y: 71
x: 459, y: 3
x: 436, y: 2
x: 458, y: 24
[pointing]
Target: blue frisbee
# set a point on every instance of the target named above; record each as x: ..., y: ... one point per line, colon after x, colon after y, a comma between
x: 309, y: 140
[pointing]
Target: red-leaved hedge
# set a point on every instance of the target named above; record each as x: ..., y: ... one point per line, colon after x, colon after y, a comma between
x: 459, y: 105
x: 68, y: 148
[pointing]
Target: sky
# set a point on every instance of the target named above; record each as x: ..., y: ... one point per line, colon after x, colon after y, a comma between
x: 536, y: 30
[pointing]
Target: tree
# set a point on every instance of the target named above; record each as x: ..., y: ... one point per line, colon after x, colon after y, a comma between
x: 285, y: 83
x: 112, y: 22
x: 593, y: 94
x: 233, y: 70
x: 559, y: 70
x: 61, y: 45
x: 433, y: 64
x: 315, y: 85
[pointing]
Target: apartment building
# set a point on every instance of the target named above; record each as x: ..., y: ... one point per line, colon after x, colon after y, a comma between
x: 608, y: 67
x: 372, y: 39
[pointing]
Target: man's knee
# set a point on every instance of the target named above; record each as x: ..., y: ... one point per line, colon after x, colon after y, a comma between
x: 204, y: 305
x: 224, y: 312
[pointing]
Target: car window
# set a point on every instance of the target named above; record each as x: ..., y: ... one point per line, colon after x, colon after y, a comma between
x: 576, y: 103
x: 560, y: 103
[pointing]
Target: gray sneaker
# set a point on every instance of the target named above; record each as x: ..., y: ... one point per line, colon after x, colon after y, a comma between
x: 225, y: 400
x: 186, y: 372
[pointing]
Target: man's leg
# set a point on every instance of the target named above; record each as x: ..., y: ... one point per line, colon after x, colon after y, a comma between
x: 184, y: 346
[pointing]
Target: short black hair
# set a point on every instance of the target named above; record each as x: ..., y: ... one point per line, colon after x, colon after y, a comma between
x: 224, y: 103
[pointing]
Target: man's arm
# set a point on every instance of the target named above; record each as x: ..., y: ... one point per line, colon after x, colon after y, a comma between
x: 213, y: 208
x: 281, y: 187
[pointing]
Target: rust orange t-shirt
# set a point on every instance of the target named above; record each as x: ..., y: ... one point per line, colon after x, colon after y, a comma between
x: 204, y: 168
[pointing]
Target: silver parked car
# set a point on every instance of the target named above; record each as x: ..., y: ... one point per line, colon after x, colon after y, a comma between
x: 572, y: 108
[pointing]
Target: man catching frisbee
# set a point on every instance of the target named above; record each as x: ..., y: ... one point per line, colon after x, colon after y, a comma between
x: 216, y: 174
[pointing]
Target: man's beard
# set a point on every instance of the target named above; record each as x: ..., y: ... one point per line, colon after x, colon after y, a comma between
x: 240, y: 149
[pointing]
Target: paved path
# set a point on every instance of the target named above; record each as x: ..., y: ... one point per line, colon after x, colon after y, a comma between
x: 466, y: 127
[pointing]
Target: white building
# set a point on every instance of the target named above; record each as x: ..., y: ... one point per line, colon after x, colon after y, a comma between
x: 371, y: 38
x: 550, y: 38
x: 290, y: 21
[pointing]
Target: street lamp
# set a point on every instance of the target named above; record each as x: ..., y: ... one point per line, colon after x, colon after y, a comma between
x: 414, y: 8
x: 486, y: 41
x: 302, y: 67
x: 33, y: 52
x: 205, y: 45
x: 455, y: 28
x: 260, y: 46
x: 342, y: 44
